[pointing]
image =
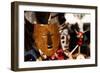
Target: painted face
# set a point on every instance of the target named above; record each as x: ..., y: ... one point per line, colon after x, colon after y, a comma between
x: 64, y: 39
x: 46, y: 38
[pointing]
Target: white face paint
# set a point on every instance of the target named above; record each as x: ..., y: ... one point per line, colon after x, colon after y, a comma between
x: 65, y: 32
x: 64, y: 39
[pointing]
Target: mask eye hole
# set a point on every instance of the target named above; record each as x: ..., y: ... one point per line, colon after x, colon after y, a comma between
x: 63, y: 41
x: 62, y: 37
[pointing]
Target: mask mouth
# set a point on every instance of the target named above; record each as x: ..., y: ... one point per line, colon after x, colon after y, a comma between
x: 49, y: 46
x: 66, y: 46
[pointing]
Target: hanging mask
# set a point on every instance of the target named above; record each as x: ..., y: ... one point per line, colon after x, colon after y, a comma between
x: 65, y: 39
x: 46, y: 38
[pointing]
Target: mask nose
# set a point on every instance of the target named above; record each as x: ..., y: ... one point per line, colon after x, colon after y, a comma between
x: 49, y: 40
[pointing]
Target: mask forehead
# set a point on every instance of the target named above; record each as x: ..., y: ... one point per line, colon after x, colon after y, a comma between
x: 46, y: 38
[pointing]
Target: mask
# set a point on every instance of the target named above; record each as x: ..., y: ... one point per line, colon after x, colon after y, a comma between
x: 65, y: 39
x: 46, y: 38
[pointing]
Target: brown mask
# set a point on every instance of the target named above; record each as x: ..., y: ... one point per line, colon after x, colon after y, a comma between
x: 46, y: 38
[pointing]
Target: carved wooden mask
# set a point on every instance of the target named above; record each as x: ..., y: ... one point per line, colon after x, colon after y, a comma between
x: 46, y: 38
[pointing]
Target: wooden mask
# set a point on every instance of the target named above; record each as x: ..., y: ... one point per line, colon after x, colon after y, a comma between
x: 46, y: 38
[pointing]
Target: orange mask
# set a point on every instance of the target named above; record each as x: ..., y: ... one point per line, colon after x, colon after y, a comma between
x: 47, y: 38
